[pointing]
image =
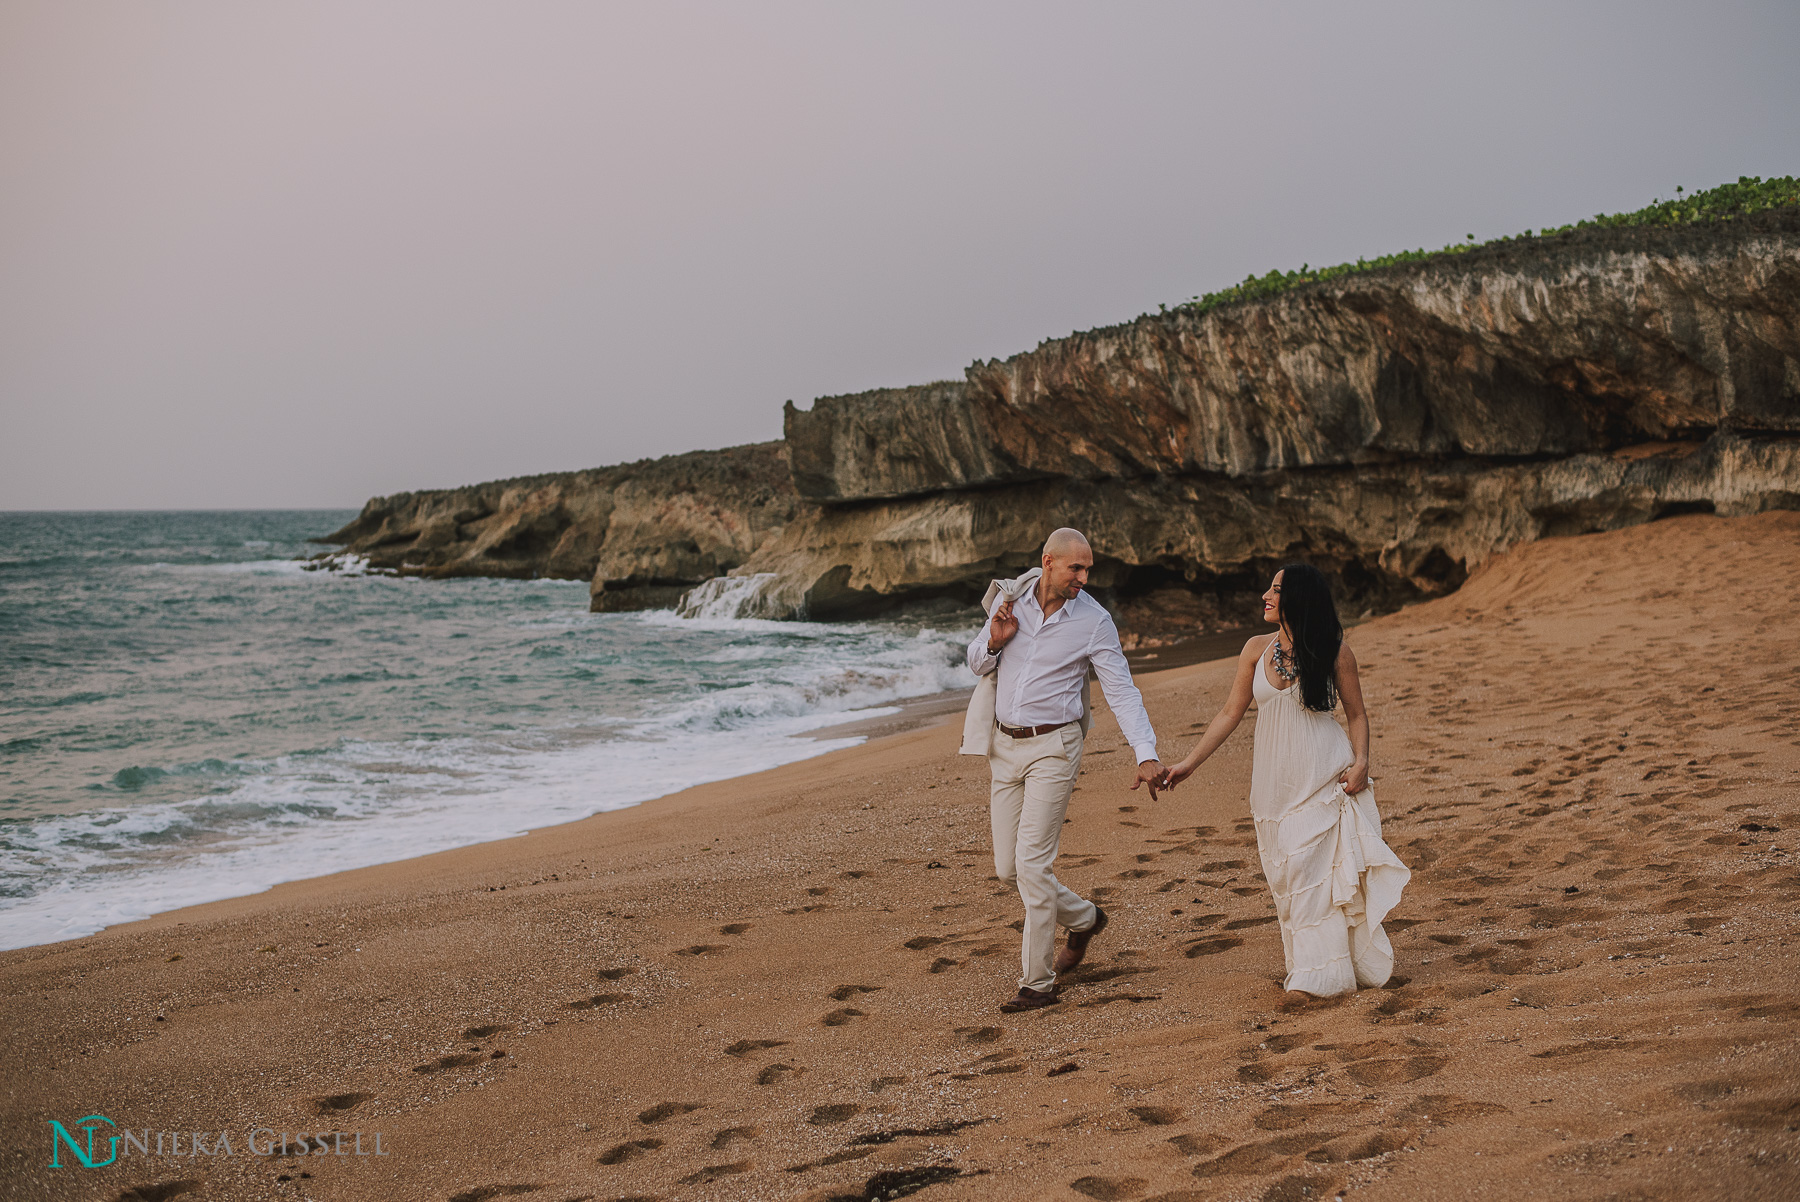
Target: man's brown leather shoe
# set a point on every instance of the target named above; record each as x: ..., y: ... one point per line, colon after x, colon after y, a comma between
x: 1029, y: 999
x: 1075, y: 948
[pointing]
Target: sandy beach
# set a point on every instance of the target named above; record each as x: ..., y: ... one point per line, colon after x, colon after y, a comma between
x: 786, y: 985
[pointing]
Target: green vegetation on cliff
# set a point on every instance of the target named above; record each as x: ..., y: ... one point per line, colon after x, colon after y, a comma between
x: 1749, y: 195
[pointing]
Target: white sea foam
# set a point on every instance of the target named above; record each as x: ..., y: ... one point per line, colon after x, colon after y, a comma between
x: 371, y: 803
x: 302, y: 820
x: 750, y: 596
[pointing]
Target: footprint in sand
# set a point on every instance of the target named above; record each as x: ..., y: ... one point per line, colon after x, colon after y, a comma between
x: 881, y: 1083
x: 620, y: 1153
x: 1218, y: 866
x: 744, y: 1047
x: 943, y: 964
x: 839, y: 1018
x: 449, y: 1062
x: 1244, y: 924
x: 844, y: 993
x: 1595, y: 1045
x: 701, y: 949
x: 1787, y: 1011
x: 1109, y: 1189
x: 599, y: 999
x: 1211, y: 947
x: 484, y: 1032
x: 775, y: 1073
x: 730, y: 1135
x: 919, y: 943
x: 161, y: 1191
x: 1288, y: 1115
x: 614, y: 974
x: 713, y: 1172
x: 1155, y: 1116
x: 663, y: 1111
x: 1263, y: 1156
x: 980, y: 1034
x: 1362, y: 1145
x: 337, y: 1103
x: 818, y: 890
x: 1196, y: 1143
x: 1397, y: 1071
x: 835, y: 1112
x: 735, y: 928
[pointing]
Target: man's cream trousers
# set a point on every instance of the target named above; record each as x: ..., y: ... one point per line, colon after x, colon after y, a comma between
x: 1032, y: 781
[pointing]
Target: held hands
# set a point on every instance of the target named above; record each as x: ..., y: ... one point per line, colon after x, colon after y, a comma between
x: 1177, y: 774
x: 1151, y: 773
x: 1355, y: 778
x: 1003, y: 627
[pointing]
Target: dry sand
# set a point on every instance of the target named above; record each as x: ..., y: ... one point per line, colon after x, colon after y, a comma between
x: 785, y: 986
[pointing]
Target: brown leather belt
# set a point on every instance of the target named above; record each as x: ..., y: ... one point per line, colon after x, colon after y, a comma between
x: 1028, y: 732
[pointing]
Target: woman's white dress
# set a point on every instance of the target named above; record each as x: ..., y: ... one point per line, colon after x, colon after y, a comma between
x: 1333, y: 877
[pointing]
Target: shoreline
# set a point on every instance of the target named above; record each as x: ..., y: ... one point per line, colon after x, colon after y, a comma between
x: 784, y: 985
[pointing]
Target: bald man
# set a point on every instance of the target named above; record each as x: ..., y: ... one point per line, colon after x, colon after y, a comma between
x: 1043, y: 634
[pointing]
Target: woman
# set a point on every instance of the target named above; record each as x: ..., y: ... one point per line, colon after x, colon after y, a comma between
x: 1317, y: 829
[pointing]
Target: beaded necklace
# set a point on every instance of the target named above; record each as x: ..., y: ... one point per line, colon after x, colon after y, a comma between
x: 1284, y: 662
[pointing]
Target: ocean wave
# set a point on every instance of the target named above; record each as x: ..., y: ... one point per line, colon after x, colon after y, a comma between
x: 71, y: 875
x: 228, y: 719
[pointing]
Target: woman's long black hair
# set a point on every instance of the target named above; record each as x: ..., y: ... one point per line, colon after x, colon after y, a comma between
x: 1309, y: 613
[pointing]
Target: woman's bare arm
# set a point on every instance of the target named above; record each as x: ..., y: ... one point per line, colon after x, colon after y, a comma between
x: 1356, y: 717
x: 1237, y: 702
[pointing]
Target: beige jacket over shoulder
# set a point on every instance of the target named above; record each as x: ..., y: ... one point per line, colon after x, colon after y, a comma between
x: 978, y: 724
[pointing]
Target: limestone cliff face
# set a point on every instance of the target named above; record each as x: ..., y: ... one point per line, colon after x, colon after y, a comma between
x: 1390, y: 532
x: 642, y: 532
x: 1398, y: 427
x: 1579, y: 343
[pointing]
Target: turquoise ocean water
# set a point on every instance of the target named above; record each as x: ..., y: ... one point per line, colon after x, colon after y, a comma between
x: 186, y: 714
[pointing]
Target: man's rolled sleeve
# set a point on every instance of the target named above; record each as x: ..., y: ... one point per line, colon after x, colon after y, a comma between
x: 1108, y: 659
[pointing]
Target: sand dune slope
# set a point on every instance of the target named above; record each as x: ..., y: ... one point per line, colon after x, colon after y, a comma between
x: 785, y: 986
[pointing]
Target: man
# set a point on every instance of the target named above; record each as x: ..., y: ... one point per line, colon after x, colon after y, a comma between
x: 1042, y: 636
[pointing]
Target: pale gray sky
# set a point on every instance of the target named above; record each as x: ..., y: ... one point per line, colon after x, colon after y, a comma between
x: 297, y: 253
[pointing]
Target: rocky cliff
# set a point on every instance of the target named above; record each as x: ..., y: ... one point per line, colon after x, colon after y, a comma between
x: 1397, y: 427
x: 642, y: 532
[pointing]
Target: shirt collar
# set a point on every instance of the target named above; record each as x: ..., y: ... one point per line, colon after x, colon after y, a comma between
x: 1066, y: 607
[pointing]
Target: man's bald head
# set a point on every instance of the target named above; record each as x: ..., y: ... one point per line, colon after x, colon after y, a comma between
x: 1065, y: 542
x: 1067, y: 560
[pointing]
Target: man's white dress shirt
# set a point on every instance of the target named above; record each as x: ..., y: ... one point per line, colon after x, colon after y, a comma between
x: 1043, y: 666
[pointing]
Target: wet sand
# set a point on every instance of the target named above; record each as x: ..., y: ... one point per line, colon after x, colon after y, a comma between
x: 785, y: 986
